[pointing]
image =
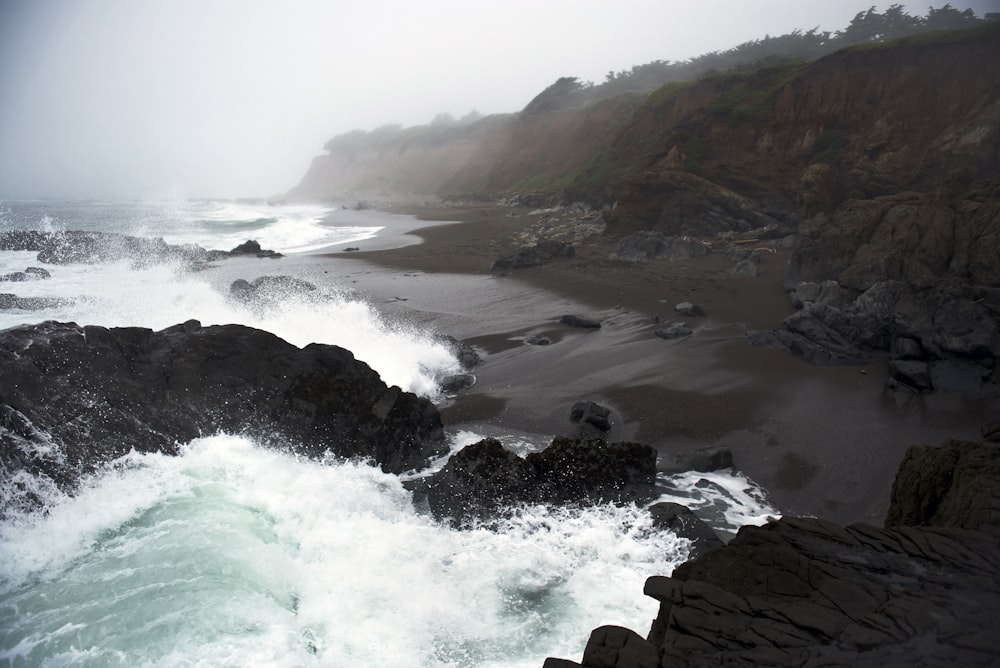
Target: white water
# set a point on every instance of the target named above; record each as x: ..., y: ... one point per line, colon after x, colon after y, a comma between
x: 235, y: 555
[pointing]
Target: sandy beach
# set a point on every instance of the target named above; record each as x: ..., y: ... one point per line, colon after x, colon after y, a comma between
x: 824, y: 441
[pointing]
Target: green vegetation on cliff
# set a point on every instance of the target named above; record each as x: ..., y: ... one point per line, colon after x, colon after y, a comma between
x: 716, y: 116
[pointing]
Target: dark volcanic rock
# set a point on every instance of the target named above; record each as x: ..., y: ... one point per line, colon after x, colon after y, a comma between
x: 80, y: 247
x: 580, y: 321
x: 266, y: 290
x: 535, y: 255
x: 683, y: 522
x: 75, y: 397
x: 484, y: 479
x: 593, y: 419
x: 10, y: 301
x: 650, y: 245
x: 29, y: 274
x: 251, y: 247
x: 944, y: 338
x: 688, y: 310
x: 955, y: 485
x: 677, y: 330
x: 805, y: 592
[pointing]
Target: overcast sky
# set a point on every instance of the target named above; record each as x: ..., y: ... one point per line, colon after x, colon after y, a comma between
x: 196, y: 98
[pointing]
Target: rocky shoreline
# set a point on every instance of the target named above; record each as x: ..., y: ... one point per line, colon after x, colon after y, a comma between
x: 803, y: 591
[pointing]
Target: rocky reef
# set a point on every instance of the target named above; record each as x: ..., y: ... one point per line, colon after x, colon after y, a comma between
x: 75, y: 398
x: 922, y: 590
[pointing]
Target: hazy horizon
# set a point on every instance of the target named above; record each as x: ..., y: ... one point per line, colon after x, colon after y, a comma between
x: 228, y: 98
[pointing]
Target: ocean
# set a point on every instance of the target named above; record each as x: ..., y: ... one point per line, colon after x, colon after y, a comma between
x: 235, y: 555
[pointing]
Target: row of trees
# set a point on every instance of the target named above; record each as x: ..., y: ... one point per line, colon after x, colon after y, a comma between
x: 866, y: 27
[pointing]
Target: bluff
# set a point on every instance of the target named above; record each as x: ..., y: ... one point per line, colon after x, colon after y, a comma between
x: 879, y: 164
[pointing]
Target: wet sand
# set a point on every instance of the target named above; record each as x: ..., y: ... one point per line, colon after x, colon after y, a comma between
x: 824, y: 441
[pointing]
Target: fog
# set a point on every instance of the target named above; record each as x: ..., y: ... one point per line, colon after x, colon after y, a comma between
x: 227, y: 98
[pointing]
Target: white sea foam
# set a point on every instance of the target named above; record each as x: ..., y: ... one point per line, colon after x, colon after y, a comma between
x: 235, y: 555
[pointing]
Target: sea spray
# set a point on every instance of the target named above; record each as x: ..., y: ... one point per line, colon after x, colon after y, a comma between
x: 232, y: 554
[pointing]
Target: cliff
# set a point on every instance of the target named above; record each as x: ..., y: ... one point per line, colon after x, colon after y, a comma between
x: 879, y: 165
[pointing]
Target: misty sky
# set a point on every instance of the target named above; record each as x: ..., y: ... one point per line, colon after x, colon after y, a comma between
x: 197, y: 98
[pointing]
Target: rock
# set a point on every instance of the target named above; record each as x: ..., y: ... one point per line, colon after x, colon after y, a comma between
x: 704, y: 460
x: 991, y: 431
x: 29, y: 274
x: 535, y: 255
x: 351, y: 249
x: 682, y: 521
x: 614, y: 646
x: 905, y: 348
x: 675, y: 331
x: 80, y: 247
x: 452, y: 385
x: 10, y: 301
x: 251, y: 247
x: 912, y: 374
x: 485, y: 480
x: 593, y: 419
x: 466, y: 355
x: 538, y: 340
x: 580, y: 321
x: 648, y: 245
x: 86, y: 395
x: 955, y: 485
x: 687, y: 309
x: 826, y: 292
x: 267, y: 290
x: 803, y: 591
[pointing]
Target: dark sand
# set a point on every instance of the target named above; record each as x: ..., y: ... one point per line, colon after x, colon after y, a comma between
x: 823, y: 441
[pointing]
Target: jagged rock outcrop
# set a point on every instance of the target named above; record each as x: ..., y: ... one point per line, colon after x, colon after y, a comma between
x: 651, y: 245
x: 484, y: 479
x: 942, y: 338
x: 80, y: 247
x: 265, y: 290
x: 76, y: 397
x: 29, y: 274
x: 534, y: 255
x: 797, y: 592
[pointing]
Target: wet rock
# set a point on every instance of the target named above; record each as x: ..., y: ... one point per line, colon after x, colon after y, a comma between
x: 912, y: 374
x: 648, y: 245
x: 687, y: 310
x: 580, y: 321
x: 803, y: 591
x: 466, y: 355
x: 452, y: 385
x: 485, y: 480
x: 593, y: 420
x: 538, y: 340
x: 266, y: 290
x: 13, y: 302
x: 684, y: 523
x: 535, y: 255
x: 991, y: 431
x: 79, y: 247
x: 826, y: 292
x: 252, y: 247
x: 29, y: 274
x: 91, y: 394
x: 954, y: 485
x: 677, y: 330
